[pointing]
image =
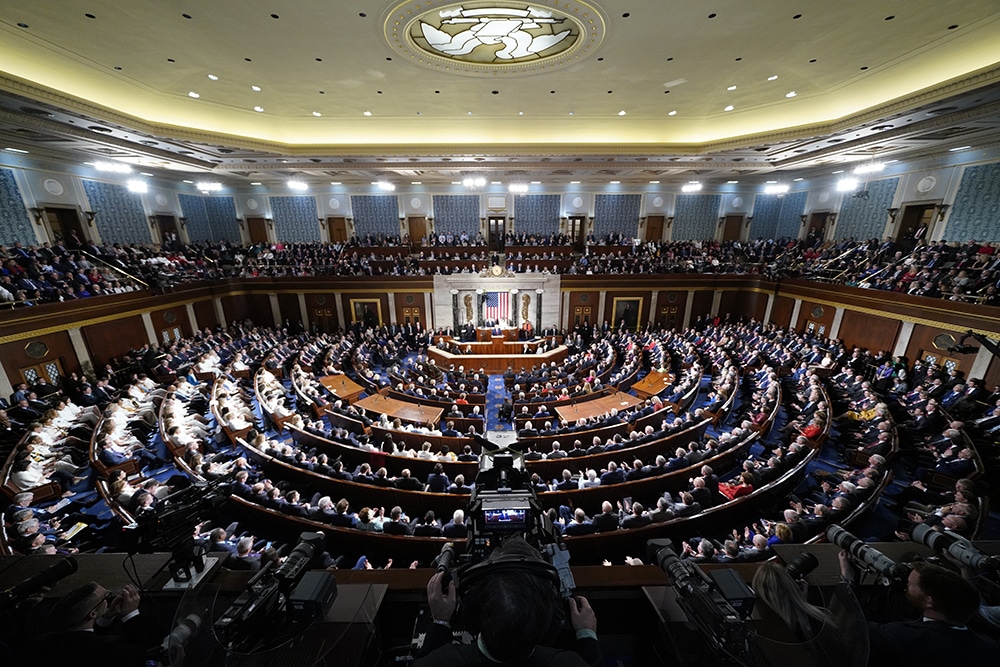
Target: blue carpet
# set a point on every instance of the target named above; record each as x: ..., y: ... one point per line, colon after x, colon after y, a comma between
x: 495, y: 394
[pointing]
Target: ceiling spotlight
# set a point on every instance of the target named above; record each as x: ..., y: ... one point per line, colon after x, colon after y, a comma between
x: 255, y: 89
x: 672, y: 113
x: 385, y: 185
x: 255, y: 183
x: 775, y: 189
x: 574, y: 182
x: 959, y: 148
x: 790, y: 94
x: 517, y: 188
x: 654, y: 182
x: 729, y: 108
x: 474, y: 182
x: 207, y: 186
x: 847, y: 185
x: 731, y: 88
x: 367, y: 113
x: 16, y: 150
x: 115, y: 167
x: 773, y: 77
x: 298, y: 186
x: 213, y: 77
x: 317, y: 114
x: 691, y: 187
x: 869, y: 168
x: 732, y: 182
x: 416, y: 183
x: 259, y: 109
x: 137, y: 186
x: 621, y: 113
x: 194, y: 95
x: 614, y: 182
x: 334, y: 182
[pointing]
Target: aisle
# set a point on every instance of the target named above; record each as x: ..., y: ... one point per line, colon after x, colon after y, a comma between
x: 494, y: 399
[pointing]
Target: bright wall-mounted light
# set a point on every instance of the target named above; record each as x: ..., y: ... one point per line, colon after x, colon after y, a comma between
x: 775, y: 189
x: 208, y: 186
x: 691, y: 187
x: 385, y: 185
x: 847, y: 185
x: 869, y: 168
x: 517, y: 188
x: 137, y: 186
x: 114, y: 167
x: 298, y: 186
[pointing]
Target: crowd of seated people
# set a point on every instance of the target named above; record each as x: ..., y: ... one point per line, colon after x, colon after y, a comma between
x: 59, y: 272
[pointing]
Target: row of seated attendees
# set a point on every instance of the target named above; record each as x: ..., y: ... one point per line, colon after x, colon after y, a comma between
x: 957, y: 271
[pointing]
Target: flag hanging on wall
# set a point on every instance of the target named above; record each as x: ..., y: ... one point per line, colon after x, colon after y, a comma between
x: 497, y: 306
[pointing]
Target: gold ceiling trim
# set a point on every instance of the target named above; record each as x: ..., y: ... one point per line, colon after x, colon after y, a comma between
x: 100, y: 114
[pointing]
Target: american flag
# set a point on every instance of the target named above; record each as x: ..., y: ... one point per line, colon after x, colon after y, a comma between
x: 497, y: 306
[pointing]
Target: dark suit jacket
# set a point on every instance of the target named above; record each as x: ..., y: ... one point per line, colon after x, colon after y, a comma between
x: 605, y: 522
x: 573, y: 528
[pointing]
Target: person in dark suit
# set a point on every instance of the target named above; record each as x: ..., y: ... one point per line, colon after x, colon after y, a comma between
x: 396, y: 525
x: 607, y: 520
x: 946, y: 602
x: 580, y: 525
x: 637, y: 518
x: 405, y: 482
x: 456, y: 529
x: 429, y: 527
x: 119, y: 640
x: 614, y: 475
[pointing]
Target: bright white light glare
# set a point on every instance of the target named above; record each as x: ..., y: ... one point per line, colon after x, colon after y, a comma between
x: 16, y: 150
x: 213, y: 77
x: 869, y: 168
x: 208, y: 186
x: 732, y: 182
x: 773, y: 77
x: 386, y: 185
x: 574, y: 182
x: 847, y: 185
x: 518, y: 188
x: 416, y: 182
x: 731, y: 88
x: 691, y: 187
x: 137, y: 186
x: 959, y: 148
x: 298, y: 186
x: 622, y: 112
x: 791, y: 93
x: 672, y: 113
x: 775, y: 189
x: 255, y: 183
x: 474, y: 182
x: 255, y: 89
x: 317, y: 114
x: 259, y: 109
x: 116, y: 167
x: 194, y: 95
x: 729, y: 108
x: 654, y: 182
x: 614, y: 182
x: 367, y: 113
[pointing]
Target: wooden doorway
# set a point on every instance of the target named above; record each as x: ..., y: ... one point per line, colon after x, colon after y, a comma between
x: 257, y: 227
x: 166, y: 224
x: 732, y: 228
x: 654, y: 228
x: 817, y: 224
x: 338, y: 229
x: 63, y: 224
x: 51, y: 370
x: 916, y: 217
x: 577, y: 231
x: 416, y: 227
x: 323, y: 320
x: 411, y: 315
x: 497, y: 226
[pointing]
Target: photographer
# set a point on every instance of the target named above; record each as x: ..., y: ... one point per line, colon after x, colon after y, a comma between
x: 946, y: 602
x: 514, y: 614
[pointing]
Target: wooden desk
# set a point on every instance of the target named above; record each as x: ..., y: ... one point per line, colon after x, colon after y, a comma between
x: 653, y: 384
x: 497, y: 362
x: 342, y: 387
x: 407, y: 412
x: 598, y: 406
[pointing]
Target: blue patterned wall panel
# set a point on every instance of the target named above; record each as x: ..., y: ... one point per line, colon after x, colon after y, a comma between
x: 198, y: 227
x: 790, y: 215
x: 454, y: 214
x: 222, y: 218
x: 863, y: 219
x: 295, y: 219
x: 538, y: 214
x: 120, y: 218
x: 617, y: 213
x: 696, y: 217
x: 15, y: 225
x: 376, y: 214
x: 766, y: 210
x: 975, y: 215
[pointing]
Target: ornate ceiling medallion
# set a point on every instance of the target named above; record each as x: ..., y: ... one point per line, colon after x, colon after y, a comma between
x: 490, y: 38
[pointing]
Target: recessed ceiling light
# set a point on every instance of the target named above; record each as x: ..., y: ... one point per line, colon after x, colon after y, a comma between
x: 187, y: 181
x: 317, y: 114
x: 691, y: 187
x: 255, y: 183
x: 298, y: 186
x: 775, y: 189
x: 456, y: 182
x: 145, y: 173
x: 729, y: 108
x: 334, y: 182
x: 416, y: 183
x: 255, y: 89
x: 137, y: 186
x: 654, y: 182
x: 16, y: 150
x: 614, y: 182
x: 773, y: 77
x: 574, y: 182
x: 367, y: 113
x: 536, y: 182
x: 731, y: 88
x: 672, y: 113
x: 622, y: 112
x: 194, y: 95
x: 770, y: 181
x: 570, y: 113
x: 797, y: 179
x: 959, y: 148
x: 847, y: 184
x: 520, y: 113
x: 732, y: 182
x: 496, y: 183
x: 791, y: 93
x: 213, y: 77
x: 839, y: 171
x: 259, y: 109
x: 210, y: 186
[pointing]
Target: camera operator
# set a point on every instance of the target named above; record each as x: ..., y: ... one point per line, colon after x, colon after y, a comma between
x: 946, y: 602
x: 514, y: 612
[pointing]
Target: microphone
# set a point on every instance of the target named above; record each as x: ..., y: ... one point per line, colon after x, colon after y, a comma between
x: 36, y: 582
